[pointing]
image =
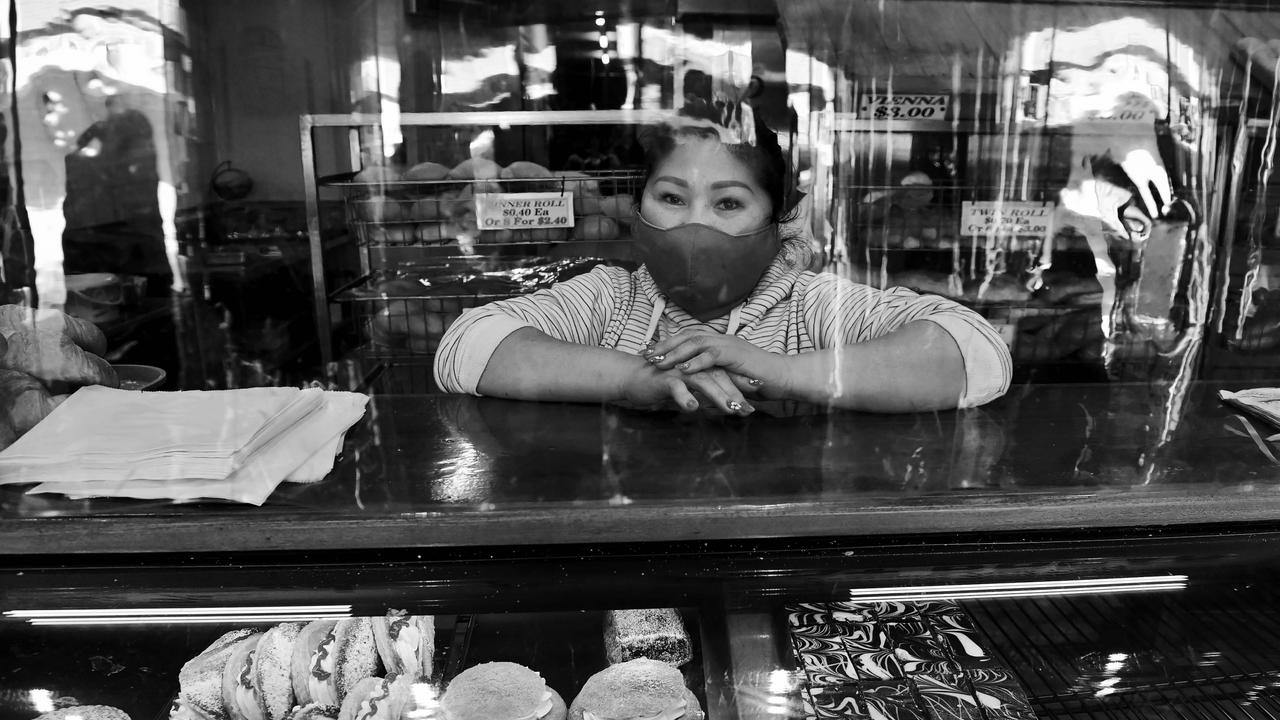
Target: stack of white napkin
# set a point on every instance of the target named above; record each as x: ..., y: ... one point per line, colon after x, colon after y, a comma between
x: 222, y: 444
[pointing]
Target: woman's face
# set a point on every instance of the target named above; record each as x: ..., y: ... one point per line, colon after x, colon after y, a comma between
x: 700, y: 182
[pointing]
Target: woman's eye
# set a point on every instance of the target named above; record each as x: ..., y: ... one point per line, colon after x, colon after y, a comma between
x: 729, y: 204
x: 670, y: 199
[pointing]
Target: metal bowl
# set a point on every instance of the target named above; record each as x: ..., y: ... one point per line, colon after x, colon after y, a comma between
x: 139, y: 377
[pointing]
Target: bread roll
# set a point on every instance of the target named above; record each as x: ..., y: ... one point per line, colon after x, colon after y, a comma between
x: 400, y: 234
x: 272, y: 681
x: 426, y: 171
x: 501, y: 690
x: 406, y: 643
x: 200, y: 679
x: 579, y: 183
x: 377, y: 699
x: 522, y: 176
x: 377, y: 174
x: 433, y: 232
x: 428, y: 208
x: 476, y: 169
x: 312, y: 665
x: 619, y: 207
x: 636, y: 688
x: 237, y: 684
x: 587, y: 205
x: 86, y: 712
x: 595, y: 227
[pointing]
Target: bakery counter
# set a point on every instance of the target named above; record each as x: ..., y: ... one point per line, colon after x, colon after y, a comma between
x: 436, y: 470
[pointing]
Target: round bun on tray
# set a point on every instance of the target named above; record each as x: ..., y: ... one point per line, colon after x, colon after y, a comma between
x: 501, y: 691
x: 86, y: 712
x: 330, y: 657
x: 271, y: 680
x: 426, y: 171
x: 640, y: 688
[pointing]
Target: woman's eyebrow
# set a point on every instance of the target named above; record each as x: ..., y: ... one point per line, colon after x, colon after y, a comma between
x: 730, y: 183
x: 673, y: 179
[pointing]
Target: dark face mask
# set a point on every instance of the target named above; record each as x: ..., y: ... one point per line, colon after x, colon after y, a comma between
x: 702, y: 269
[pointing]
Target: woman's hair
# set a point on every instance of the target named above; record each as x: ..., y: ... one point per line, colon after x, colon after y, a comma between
x: 724, y: 123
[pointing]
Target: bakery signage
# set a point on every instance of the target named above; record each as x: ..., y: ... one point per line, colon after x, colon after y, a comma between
x: 1006, y: 218
x: 904, y: 107
x: 519, y: 211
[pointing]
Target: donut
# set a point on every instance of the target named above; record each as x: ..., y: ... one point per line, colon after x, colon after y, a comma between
x: 200, y: 679
x: 501, y: 691
x: 406, y: 643
x: 86, y: 712
x: 312, y: 664
x: 272, y: 679
x: 377, y: 699
x: 636, y: 688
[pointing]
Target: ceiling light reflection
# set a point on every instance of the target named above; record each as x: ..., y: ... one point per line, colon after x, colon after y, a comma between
x: 201, y: 615
x: 973, y: 591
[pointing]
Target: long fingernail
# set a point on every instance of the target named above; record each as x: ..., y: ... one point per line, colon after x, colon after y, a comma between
x: 655, y: 359
x: 683, y: 366
x: 755, y: 383
x: 734, y: 406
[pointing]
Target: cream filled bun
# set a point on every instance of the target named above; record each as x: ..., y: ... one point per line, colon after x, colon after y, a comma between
x: 237, y: 682
x: 200, y: 679
x: 406, y: 643
x: 501, y: 691
x: 313, y: 711
x: 271, y: 678
x: 312, y: 664
x: 355, y: 654
x: 86, y: 712
x: 384, y: 698
x: 640, y: 689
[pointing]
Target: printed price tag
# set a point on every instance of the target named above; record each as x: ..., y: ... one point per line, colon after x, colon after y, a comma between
x: 518, y: 211
x: 905, y: 107
x: 1129, y: 107
x: 1022, y: 219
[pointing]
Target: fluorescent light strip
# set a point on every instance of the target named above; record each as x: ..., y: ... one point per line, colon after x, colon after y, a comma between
x: 181, y: 619
x: 149, y: 612
x: 994, y: 595
x: 945, y: 591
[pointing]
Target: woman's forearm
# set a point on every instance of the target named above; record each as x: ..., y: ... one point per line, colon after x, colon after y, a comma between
x: 531, y: 365
x: 917, y: 367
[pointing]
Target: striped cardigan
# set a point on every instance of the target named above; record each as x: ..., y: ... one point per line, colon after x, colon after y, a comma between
x: 791, y: 311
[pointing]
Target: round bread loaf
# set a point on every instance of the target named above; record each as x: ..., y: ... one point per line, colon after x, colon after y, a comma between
x: 272, y: 681
x: 377, y: 174
x: 476, y: 169
x: 86, y: 712
x: 524, y: 176
x: 500, y: 691
x: 429, y: 208
x: 595, y: 227
x: 200, y: 679
x: 426, y: 171
x: 636, y: 688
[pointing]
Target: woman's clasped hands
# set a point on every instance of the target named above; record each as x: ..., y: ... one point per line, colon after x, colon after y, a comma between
x: 708, y: 370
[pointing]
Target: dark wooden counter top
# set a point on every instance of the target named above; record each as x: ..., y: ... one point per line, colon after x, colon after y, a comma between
x: 435, y: 470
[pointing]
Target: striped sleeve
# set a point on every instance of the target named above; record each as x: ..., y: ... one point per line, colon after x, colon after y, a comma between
x: 576, y: 310
x: 839, y: 312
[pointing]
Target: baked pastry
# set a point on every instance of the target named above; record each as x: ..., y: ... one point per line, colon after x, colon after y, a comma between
x: 237, y: 682
x: 312, y: 664
x: 654, y: 633
x: 639, y: 688
x: 200, y: 680
x: 406, y: 643
x: 312, y: 711
x: 86, y: 712
x: 426, y: 171
x: 271, y: 679
x: 377, y: 699
x: 501, y: 691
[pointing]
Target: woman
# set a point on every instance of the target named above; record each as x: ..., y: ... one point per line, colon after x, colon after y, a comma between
x: 722, y: 311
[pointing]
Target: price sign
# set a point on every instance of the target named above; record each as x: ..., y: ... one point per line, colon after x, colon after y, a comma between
x: 905, y: 107
x: 1129, y: 107
x: 522, y: 211
x: 1021, y: 219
